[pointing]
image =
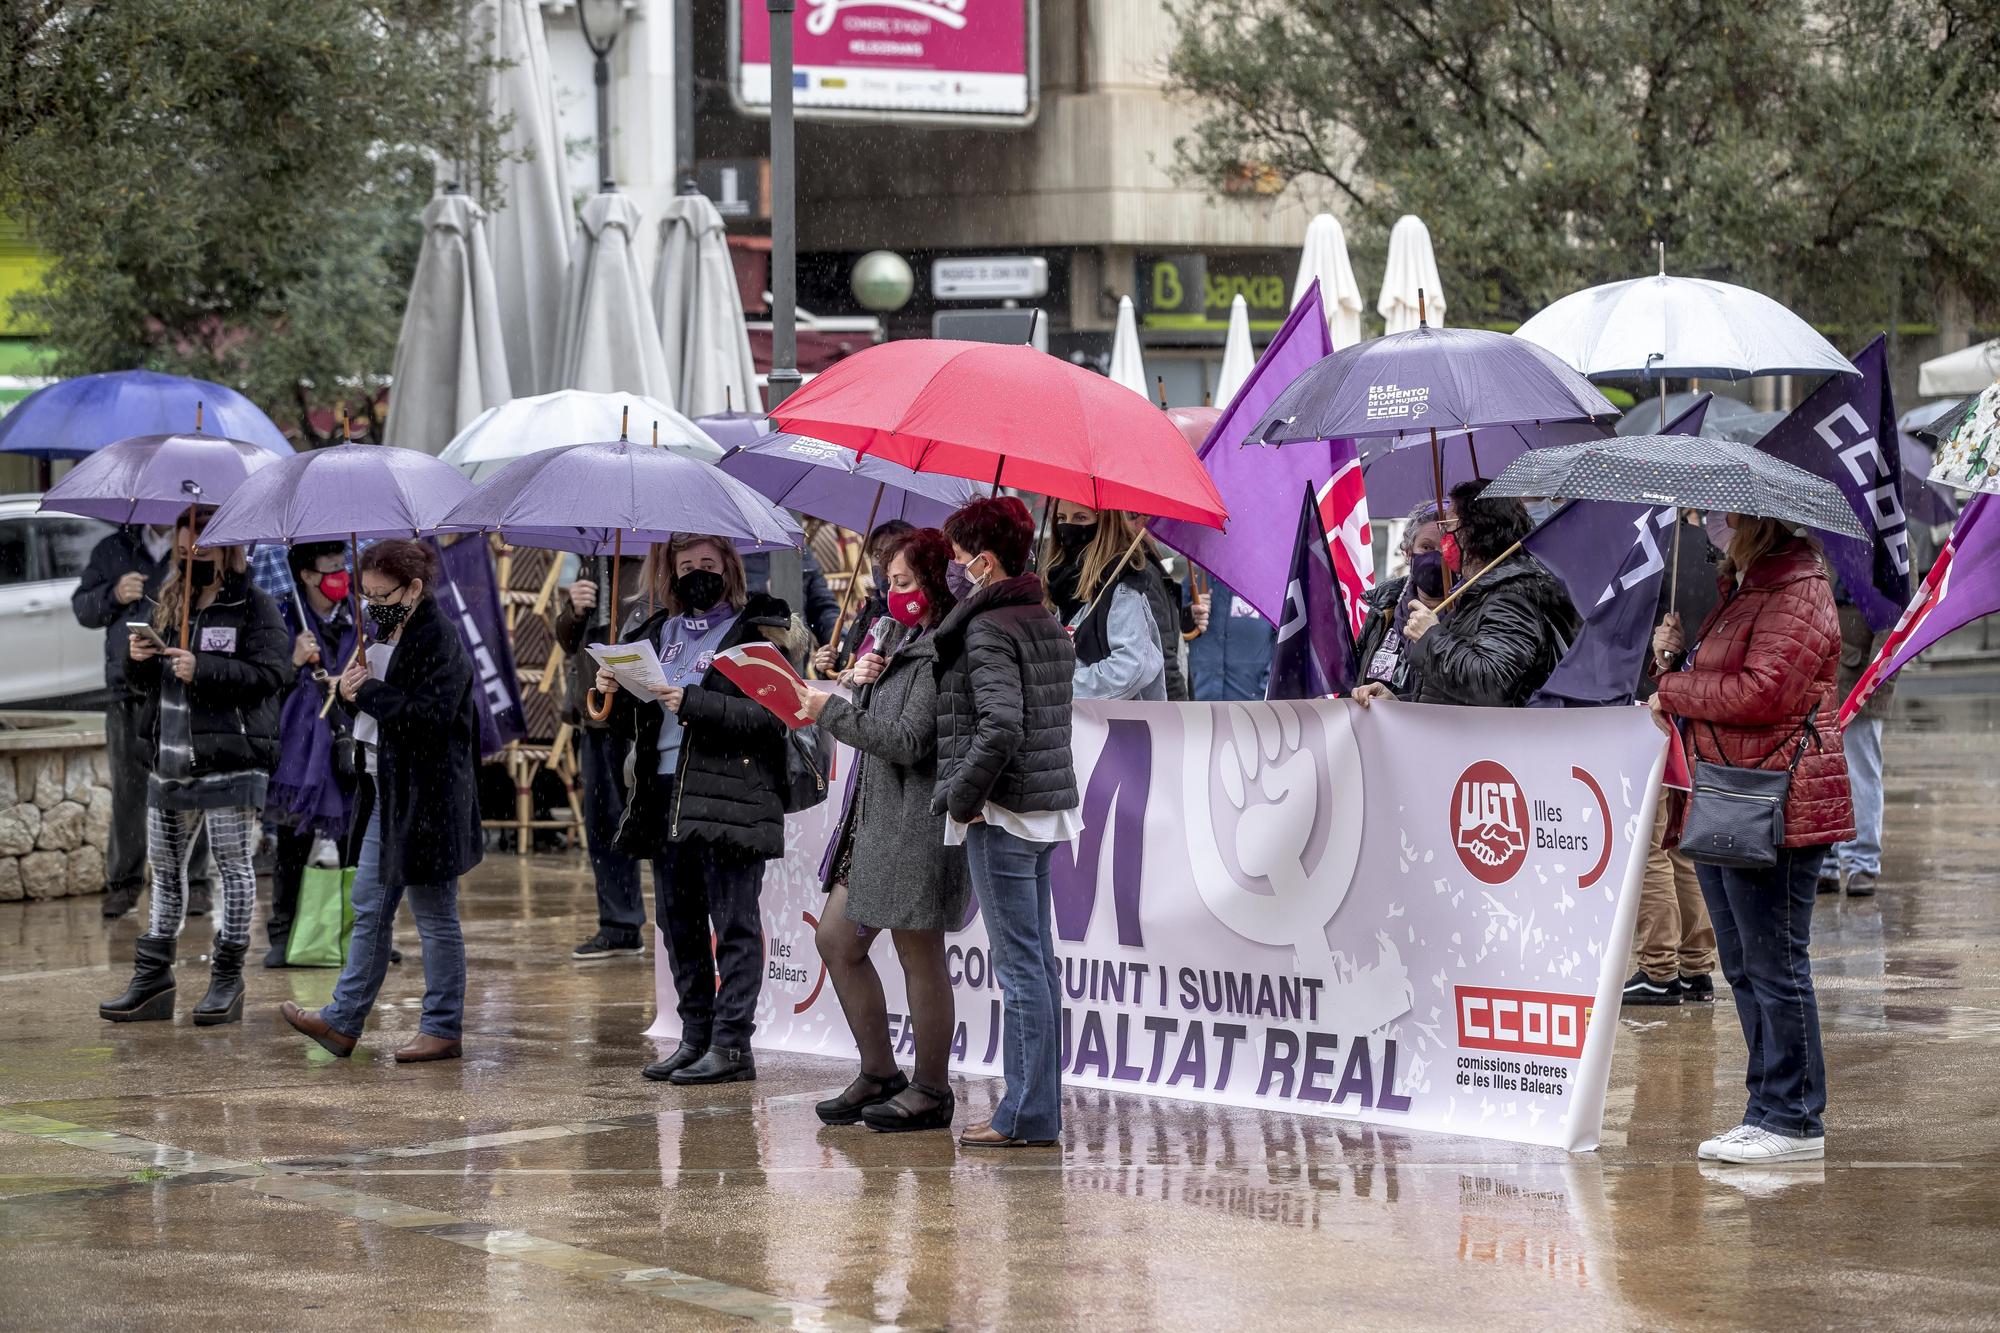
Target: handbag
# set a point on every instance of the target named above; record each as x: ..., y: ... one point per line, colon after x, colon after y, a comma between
x: 808, y: 768
x: 1736, y: 816
x: 324, y: 920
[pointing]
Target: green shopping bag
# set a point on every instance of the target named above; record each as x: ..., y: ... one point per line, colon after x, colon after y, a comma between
x: 325, y: 918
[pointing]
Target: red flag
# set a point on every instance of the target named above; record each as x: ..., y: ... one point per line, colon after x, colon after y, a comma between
x: 1343, y: 510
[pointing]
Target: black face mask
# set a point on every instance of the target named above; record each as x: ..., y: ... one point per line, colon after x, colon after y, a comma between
x: 388, y: 619
x: 1427, y: 572
x: 698, y: 589
x: 203, y: 574
x: 1073, y: 537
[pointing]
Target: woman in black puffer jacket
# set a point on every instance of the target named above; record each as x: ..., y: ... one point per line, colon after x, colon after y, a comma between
x: 208, y: 716
x: 706, y: 805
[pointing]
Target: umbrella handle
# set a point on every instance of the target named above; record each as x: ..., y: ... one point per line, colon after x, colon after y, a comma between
x: 595, y: 704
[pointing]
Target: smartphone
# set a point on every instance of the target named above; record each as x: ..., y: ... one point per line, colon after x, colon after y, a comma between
x: 141, y: 630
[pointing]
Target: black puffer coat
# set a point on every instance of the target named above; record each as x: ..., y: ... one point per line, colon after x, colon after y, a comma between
x: 1382, y: 600
x: 1498, y: 643
x: 237, y: 691
x: 427, y: 753
x: 1004, y: 670
x: 728, y: 784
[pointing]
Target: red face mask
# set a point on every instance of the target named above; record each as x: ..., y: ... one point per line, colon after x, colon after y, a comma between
x: 1454, y: 559
x: 333, y: 586
x: 909, y: 608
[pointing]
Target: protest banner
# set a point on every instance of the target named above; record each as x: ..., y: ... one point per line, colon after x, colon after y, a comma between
x: 1416, y: 916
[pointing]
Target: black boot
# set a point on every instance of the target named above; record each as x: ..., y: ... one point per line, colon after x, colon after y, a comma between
x: 150, y: 997
x: 117, y: 902
x: 718, y: 1066
x: 684, y: 1055
x: 224, y: 1001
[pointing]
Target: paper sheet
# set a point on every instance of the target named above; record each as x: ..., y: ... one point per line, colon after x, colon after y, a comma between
x: 636, y: 665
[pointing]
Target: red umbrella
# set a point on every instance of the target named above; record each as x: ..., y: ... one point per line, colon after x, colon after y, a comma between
x: 1007, y: 416
x: 1194, y: 423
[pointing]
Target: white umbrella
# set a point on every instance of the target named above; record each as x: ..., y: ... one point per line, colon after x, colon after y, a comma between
x: 608, y: 340
x: 451, y: 364
x: 530, y: 229
x: 1971, y: 370
x: 571, y: 416
x: 1238, y: 359
x: 1324, y: 257
x: 1412, y: 268
x: 1661, y: 326
x: 700, y: 311
x: 1128, y: 366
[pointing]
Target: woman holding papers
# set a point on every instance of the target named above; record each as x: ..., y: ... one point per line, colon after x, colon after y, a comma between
x: 889, y: 868
x: 706, y: 806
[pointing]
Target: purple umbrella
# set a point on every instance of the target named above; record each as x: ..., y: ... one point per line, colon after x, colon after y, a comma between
x: 77, y: 417
x: 346, y: 492
x: 1923, y: 501
x: 732, y: 430
x: 157, y: 478
x: 1399, y: 475
x: 827, y: 482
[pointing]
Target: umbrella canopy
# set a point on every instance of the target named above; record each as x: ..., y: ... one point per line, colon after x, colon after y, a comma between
x: 570, y: 416
x: 1970, y: 370
x: 1645, y: 416
x: 1238, y: 358
x: 1411, y: 273
x: 833, y: 483
x: 1007, y: 416
x: 1682, y: 470
x: 340, y: 493
x: 77, y: 417
x: 154, y: 478
x: 598, y: 498
x: 451, y: 362
x: 530, y: 229
x: 1429, y: 379
x: 1194, y: 423
x: 609, y: 341
x: 702, y: 333
x: 734, y: 429
x: 1924, y: 500
x: 1128, y: 365
x: 1399, y: 474
x: 1323, y: 258
x: 1661, y: 325
x: 1969, y: 457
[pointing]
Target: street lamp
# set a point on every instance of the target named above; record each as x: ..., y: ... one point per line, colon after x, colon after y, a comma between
x: 601, y: 21
x: 784, y: 376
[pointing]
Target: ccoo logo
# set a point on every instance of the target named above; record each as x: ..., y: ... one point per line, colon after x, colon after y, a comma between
x: 1490, y: 822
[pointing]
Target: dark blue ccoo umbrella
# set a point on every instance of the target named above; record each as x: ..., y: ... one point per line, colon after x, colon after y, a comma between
x: 77, y: 417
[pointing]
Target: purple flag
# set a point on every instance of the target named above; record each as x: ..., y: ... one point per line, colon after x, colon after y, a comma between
x: 1260, y: 484
x: 1314, y: 654
x: 1846, y: 432
x: 1962, y: 586
x: 1611, y: 557
x: 470, y: 596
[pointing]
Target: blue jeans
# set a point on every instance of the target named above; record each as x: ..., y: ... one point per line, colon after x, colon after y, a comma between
x: 1763, y: 932
x: 436, y: 908
x: 1863, y: 742
x: 621, y: 909
x: 1011, y: 877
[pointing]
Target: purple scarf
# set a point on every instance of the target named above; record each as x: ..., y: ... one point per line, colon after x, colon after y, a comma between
x: 305, y: 794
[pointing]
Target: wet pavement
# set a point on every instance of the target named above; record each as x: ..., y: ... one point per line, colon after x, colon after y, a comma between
x: 240, y: 1177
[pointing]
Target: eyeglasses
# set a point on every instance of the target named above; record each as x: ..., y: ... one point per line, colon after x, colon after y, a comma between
x: 383, y: 596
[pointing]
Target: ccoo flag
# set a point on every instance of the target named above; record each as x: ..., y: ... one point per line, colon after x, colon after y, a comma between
x: 1611, y: 557
x: 1314, y: 654
x: 1962, y: 586
x: 1260, y: 484
x: 1846, y: 432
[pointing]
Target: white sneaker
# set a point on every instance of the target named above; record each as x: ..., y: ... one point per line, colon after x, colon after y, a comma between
x: 1711, y: 1149
x: 1761, y: 1145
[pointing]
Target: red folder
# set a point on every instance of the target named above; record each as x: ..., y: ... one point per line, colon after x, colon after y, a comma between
x: 761, y: 671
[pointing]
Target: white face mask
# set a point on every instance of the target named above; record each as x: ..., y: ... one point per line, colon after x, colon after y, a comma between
x: 1718, y: 529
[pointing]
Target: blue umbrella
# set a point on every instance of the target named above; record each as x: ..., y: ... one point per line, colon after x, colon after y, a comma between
x: 730, y: 429
x: 77, y: 417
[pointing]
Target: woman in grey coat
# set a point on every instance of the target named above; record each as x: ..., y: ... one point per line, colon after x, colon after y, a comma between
x: 889, y: 868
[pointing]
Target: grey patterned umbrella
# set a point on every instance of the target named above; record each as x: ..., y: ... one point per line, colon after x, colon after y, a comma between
x: 1683, y: 470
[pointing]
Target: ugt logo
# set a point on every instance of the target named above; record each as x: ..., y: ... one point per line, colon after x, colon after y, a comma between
x: 1490, y: 825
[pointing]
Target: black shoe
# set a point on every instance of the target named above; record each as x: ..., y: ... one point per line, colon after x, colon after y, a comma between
x: 1829, y: 880
x: 684, y: 1055
x: 718, y: 1066
x: 117, y: 902
x: 1642, y: 989
x: 395, y: 954
x: 603, y: 945
x: 275, y: 955
x: 866, y: 1090
x: 1860, y: 884
x: 150, y: 997
x: 1698, y: 986
x: 199, y: 900
x: 224, y: 1001
x: 893, y: 1117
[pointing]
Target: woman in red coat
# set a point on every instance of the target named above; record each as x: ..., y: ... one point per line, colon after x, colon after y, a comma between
x: 1758, y: 692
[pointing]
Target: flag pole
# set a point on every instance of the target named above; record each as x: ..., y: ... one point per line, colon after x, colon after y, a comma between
x: 1437, y: 454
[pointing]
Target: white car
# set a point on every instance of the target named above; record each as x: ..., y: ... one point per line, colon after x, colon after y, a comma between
x: 44, y: 653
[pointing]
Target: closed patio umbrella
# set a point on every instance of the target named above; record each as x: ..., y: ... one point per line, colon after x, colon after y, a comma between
x: 700, y: 312
x: 1323, y: 257
x: 1238, y: 357
x: 1128, y: 365
x: 609, y: 341
x: 1410, y: 279
x: 451, y: 362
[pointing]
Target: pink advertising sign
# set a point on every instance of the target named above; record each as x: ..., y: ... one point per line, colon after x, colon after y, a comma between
x: 896, y: 58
